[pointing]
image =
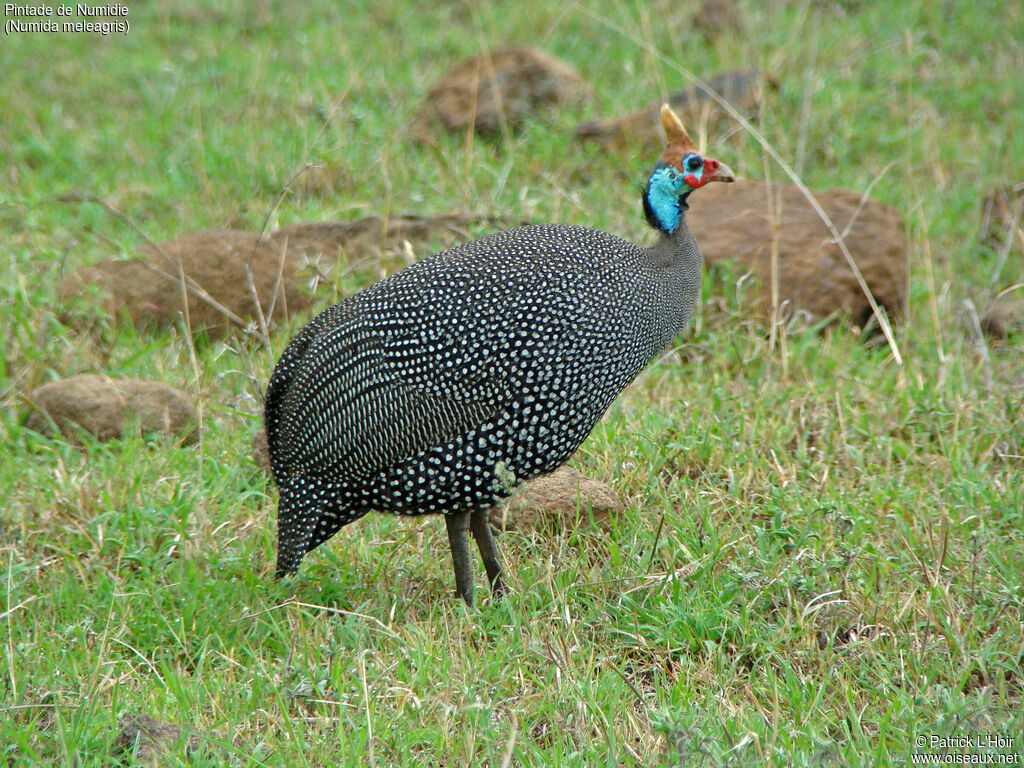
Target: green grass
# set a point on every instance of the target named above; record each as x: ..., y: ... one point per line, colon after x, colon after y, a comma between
x: 821, y: 557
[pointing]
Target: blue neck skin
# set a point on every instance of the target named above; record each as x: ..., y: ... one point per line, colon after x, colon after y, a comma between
x: 666, y: 196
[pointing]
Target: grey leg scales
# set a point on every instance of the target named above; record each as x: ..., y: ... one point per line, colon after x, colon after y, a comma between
x: 458, y: 523
x: 481, y: 527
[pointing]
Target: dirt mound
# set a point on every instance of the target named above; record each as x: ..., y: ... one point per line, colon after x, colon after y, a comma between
x: 153, y: 742
x: 1002, y: 215
x: 107, y: 407
x: 260, y: 449
x: 698, y: 111
x: 1004, y: 317
x: 732, y: 222
x: 216, y: 265
x: 717, y: 18
x: 558, y: 501
x: 377, y: 236
x: 497, y: 89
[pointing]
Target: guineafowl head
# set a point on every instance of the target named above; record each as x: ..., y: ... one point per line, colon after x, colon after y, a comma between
x: 680, y: 170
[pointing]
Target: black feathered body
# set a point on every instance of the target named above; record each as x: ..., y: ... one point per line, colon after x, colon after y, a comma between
x: 442, y: 387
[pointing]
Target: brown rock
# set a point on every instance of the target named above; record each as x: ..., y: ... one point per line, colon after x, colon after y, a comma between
x: 559, y: 500
x: 214, y: 263
x: 1002, y: 212
x: 1003, y: 318
x: 731, y: 222
x: 155, y: 743
x: 106, y: 407
x: 742, y: 88
x: 496, y: 90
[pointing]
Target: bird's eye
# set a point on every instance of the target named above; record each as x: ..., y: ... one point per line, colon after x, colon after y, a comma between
x: 693, y: 163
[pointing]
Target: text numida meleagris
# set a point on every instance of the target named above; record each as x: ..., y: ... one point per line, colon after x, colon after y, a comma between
x: 443, y: 386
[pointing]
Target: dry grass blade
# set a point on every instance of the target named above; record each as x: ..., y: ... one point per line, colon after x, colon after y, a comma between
x: 277, y: 286
x: 978, y: 338
x: 265, y: 331
x: 510, y: 745
x: 279, y: 197
x: 10, y: 611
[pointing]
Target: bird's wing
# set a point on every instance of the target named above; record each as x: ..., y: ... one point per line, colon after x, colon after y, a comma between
x: 388, y: 379
x: 283, y: 375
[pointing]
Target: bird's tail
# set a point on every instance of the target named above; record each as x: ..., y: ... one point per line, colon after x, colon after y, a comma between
x: 309, y: 512
x: 294, y: 530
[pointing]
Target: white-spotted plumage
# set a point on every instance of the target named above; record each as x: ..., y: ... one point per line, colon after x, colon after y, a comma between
x: 507, y: 350
x: 442, y: 387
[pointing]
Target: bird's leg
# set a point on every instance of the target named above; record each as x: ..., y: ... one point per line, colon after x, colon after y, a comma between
x: 481, y: 526
x: 457, y: 523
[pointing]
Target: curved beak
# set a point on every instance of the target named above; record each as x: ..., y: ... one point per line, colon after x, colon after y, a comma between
x: 720, y: 171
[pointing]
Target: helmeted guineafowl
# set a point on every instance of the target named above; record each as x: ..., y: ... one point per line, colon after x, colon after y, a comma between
x: 443, y: 386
